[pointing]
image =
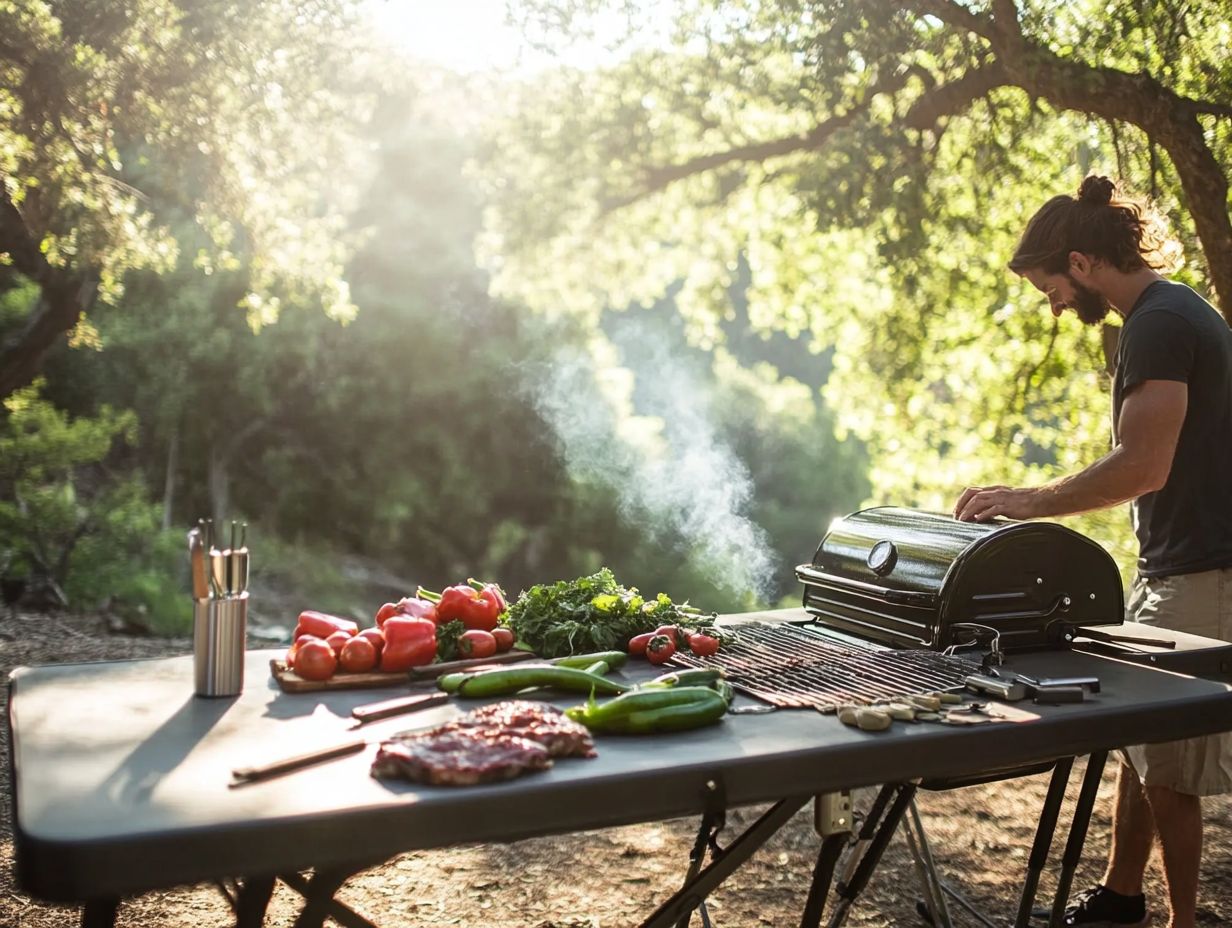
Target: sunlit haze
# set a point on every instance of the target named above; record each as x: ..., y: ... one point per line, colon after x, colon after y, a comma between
x: 464, y: 35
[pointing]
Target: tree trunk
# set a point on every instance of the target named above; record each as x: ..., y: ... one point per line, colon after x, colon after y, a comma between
x: 173, y: 461
x: 1165, y: 117
x: 59, y: 307
x: 220, y: 486
x: 1206, y: 190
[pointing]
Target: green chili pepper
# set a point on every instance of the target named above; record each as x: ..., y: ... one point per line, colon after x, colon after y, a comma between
x: 694, y: 712
x: 450, y: 682
x: 613, y: 659
x: 598, y: 667
x: 693, y: 677
x: 638, y: 701
x: 505, y: 681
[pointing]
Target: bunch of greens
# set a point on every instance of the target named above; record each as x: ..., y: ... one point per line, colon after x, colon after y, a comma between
x: 447, y: 636
x: 593, y: 613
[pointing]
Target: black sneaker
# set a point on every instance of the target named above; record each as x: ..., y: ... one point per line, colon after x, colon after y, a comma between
x: 1102, y: 908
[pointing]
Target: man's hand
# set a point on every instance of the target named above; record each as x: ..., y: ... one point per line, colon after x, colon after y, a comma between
x: 979, y: 504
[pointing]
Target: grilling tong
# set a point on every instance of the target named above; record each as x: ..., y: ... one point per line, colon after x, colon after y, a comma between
x: 1008, y: 686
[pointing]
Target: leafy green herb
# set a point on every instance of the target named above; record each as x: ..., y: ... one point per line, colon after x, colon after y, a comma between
x: 447, y: 636
x: 593, y: 613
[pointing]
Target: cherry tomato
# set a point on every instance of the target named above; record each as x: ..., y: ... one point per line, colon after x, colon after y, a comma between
x: 660, y: 649
x: 337, y: 641
x: 358, y: 655
x: 703, y: 644
x: 476, y: 643
x: 504, y: 638
x: 314, y: 659
x: 376, y: 636
x: 637, y: 644
x: 385, y: 612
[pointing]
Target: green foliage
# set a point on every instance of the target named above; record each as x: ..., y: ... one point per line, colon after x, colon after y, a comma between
x: 590, y: 614
x: 834, y: 151
x: 69, y: 527
x: 105, y: 111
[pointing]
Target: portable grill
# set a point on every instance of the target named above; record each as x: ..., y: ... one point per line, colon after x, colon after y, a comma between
x: 912, y: 579
x: 893, y: 592
x: 793, y: 667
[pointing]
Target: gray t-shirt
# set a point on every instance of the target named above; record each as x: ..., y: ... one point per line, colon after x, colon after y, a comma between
x: 1173, y: 334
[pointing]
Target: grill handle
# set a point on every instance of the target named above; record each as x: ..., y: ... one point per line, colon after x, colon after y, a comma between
x: 810, y: 574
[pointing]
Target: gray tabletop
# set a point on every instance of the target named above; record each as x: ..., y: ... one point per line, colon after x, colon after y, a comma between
x: 121, y: 775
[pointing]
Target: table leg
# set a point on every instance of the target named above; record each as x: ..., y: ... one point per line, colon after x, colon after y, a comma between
x: 868, y: 863
x: 100, y: 913
x: 319, y: 894
x: 823, y: 874
x: 1044, y: 832
x: 1077, y: 834
x: 689, y: 896
x: 251, y: 901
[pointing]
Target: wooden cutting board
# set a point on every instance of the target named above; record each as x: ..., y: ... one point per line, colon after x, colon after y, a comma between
x: 290, y: 682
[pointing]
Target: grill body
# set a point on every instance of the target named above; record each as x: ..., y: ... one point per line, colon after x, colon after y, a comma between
x: 912, y: 579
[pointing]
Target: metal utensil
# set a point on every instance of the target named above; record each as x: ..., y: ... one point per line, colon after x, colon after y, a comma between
x: 196, y: 558
x: 237, y: 560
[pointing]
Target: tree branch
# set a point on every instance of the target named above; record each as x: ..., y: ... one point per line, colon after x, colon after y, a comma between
x: 658, y: 178
x: 948, y: 11
x: 955, y: 96
x: 64, y: 296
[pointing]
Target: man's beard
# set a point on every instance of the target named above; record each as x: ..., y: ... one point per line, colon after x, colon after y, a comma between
x: 1090, y: 305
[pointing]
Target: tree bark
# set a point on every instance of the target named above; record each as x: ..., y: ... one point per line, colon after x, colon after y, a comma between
x: 1118, y: 96
x: 173, y: 463
x: 64, y: 296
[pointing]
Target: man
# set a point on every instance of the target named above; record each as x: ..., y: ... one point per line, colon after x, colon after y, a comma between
x: 1172, y: 459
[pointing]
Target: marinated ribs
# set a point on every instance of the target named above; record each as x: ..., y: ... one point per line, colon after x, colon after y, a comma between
x: 543, y: 724
x: 487, y: 745
x: 459, y: 757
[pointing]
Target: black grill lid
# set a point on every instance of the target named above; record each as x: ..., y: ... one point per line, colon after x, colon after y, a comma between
x: 905, y: 577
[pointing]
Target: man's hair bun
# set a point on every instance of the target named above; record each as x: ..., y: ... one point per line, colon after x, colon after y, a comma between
x: 1096, y: 190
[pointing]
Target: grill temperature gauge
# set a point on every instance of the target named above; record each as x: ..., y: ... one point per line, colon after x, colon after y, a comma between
x: 882, y: 558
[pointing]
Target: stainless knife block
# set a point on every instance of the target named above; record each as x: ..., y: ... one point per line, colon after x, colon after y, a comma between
x: 220, y: 627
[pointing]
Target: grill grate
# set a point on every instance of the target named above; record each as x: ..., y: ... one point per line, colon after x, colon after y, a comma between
x: 792, y: 668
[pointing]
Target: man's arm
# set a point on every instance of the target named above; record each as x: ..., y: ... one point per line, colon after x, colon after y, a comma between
x: 1149, y: 426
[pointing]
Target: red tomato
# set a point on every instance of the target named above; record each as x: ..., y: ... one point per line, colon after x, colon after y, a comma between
x: 504, y: 638
x: 376, y: 636
x: 358, y: 655
x: 314, y: 659
x: 637, y: 644
x: 337, y: 641
x: 476, y: 643
x: 385, y: 612
x: 702, y: 644
x: 660, y: 649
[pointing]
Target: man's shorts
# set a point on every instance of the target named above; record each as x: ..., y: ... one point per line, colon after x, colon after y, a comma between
x: 1199, y: 604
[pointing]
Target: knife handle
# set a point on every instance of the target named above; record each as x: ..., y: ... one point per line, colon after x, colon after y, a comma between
x: 277, y: 768
x: 383, y: 710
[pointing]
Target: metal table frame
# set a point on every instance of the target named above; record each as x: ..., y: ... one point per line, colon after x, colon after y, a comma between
x: 151, y: 764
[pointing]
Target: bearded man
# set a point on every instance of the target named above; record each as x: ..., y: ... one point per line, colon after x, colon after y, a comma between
x: 1171, y: 459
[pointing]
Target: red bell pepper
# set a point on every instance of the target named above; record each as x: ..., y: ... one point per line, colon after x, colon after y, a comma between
x: 478, y: 609
x: 322, y: 625
x: 418, y: 608
x: 491, y: 593
x: 408, y: 643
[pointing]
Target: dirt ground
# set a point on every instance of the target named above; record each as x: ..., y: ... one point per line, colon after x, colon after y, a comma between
x: 981, y: 836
